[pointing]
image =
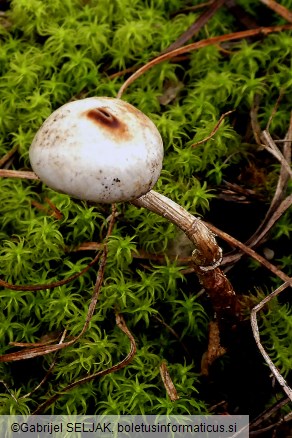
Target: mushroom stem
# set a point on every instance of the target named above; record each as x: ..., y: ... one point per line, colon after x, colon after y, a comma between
x: 207, y: 254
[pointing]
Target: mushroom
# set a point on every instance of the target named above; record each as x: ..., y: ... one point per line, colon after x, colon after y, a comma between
x: 105, y: 150
x: 98, y: 149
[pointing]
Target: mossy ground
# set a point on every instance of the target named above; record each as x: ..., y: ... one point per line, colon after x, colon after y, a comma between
x: 55, y: 51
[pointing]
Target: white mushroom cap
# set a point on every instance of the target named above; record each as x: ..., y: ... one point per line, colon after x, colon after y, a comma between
x: 98, y: 149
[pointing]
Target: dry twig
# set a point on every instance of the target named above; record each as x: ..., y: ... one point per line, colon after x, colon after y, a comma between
x: 197, y: 25
x: 271, y: 147
x: 264, y: 416
x: 173, y: 332
x: 7, y: 173
x: 237, y: 244
x: 256, y: 334
x: 214, y: 130
x: 279, y: 9
x: 43, y: 381
x: 7, y: 156
x: 168, y: 383
x: 255, y: 126
x: 215, y: 350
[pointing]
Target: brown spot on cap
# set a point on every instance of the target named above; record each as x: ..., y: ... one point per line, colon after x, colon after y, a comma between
x: 105, y: 119
x: 102, y: 115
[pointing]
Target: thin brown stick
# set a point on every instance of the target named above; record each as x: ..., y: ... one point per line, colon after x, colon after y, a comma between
x: 122, y: 326
x: 194, y: 8
x: 264, y: 416
x: 9, y: 391
x: 7, y: 173
x: 168, y: 383
x: 214, y: 351
x: 237, y: 244
x: 214, y: 130
x: 275, y: 108
x: 52, y: 211
x: 255, y: 126
x: 173, y: 332
x: 48, y: 373
x: 199, y: 45
x: 284, y: 175
x: 241, y: 15
x: 279, y: 9
x: 271, y: 147
x: 263, y: 431
x: 122, y: 72
x: 55, y: 211
x: 139, y: 254
x: 256, y: 335
x: 281, y: 209
x: 36, y: 287
x: 34, y: 344
x: 196, y: 26
x: 8, y: 155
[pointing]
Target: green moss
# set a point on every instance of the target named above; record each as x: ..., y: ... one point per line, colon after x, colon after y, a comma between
x: 55, y: 51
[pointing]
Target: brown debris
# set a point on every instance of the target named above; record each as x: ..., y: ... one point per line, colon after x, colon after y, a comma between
x: 168, y: 383
x: 214, y: 348
x: 214, y: 130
